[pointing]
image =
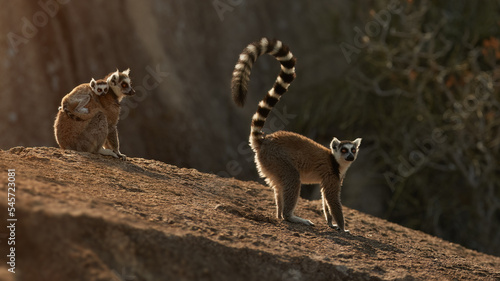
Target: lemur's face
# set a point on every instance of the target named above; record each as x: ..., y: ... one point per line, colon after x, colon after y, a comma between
x: 126, y: 86
x: 121, y: 82
x: 345, y: 150
x: 101, y: 88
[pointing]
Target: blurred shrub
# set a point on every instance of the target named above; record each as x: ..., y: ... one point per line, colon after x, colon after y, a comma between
x: 424, y: 92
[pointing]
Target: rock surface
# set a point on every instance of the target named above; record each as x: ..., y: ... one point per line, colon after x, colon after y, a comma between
x: 87, y: 217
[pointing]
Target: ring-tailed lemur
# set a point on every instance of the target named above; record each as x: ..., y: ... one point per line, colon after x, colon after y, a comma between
x: 120, y: 86
x: 286, y: 159
x: 91, y: 131
x: 73, y: 104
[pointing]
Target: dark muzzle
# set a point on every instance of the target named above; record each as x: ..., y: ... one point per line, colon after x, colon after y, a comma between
x: 131, y: 92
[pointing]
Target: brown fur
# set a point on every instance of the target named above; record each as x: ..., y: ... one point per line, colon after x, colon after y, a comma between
x: 80, y: 131
x: 287, y: 159
x: 120, y: 85
x: 86, y: 135
x: 111, y: 108
x: 91, y: 131
x: 81, y: 97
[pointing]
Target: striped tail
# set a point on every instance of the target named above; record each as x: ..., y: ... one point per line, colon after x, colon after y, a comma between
x: 241, y: 76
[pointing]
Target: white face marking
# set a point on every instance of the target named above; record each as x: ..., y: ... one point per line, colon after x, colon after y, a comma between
x: 345, y: 153
x: 125, y: 84
x: 124, y: 87
x: 348, y: 151
x: 100, y: 88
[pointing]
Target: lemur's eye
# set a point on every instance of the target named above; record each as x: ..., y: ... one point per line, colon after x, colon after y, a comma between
x: 124, y: 85
x: 353, y: 150
x: 343, y: 150
x: 99, y: 90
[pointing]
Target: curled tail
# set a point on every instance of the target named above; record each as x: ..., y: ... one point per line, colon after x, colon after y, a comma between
x: 241, y: 76
x: 65, y: 109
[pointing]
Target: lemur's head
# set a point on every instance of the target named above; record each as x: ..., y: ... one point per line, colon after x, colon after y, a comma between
x: 120, y: 83
x: 99, y: 87
x: 345, y: 151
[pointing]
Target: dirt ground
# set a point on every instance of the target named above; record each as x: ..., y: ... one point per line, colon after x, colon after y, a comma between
x: 86, y: 217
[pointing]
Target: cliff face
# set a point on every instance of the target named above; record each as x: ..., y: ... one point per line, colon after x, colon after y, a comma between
x: 181, y: 56
x: 86, y: 217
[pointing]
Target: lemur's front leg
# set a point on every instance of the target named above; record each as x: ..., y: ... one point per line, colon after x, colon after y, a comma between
x: 113, y: 143
x: 332, y: 206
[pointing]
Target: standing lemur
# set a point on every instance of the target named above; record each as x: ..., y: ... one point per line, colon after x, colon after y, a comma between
x: 287, y: 159
x: 88, y: 115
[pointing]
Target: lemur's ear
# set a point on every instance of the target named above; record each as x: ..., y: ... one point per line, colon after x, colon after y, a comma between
x: 357, y: 142
x: 113, y: 79
x: 127, y: 72
x: 334, y: 144
x: 92, y: 83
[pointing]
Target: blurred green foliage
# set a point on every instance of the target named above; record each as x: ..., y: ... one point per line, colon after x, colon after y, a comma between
x: 423, y: 92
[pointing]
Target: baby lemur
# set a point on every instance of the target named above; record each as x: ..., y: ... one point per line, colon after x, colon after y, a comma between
x: 88, y: 115
x: 286, y: 159
x: 73, y: 104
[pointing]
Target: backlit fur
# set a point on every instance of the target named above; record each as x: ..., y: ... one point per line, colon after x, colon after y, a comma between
x: 94, y: 131
x: 99, y: 87
x: 120, y: 86
x: 286, y: 159
x: 82, y: 102
x: 81, y: 124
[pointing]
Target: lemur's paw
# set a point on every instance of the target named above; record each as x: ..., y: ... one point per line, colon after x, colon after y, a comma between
x: 296, y: 219
x: 336, y: 227
x: 107, y: 152
x: 122, y: 156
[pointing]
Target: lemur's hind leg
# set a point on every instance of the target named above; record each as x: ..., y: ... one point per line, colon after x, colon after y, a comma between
x: 92, y: 138
x: 278, y: 198
x: 113, y: 143
x: 287, y: 185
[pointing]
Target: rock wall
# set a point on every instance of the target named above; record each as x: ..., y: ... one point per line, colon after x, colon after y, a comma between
x: 181, y: 55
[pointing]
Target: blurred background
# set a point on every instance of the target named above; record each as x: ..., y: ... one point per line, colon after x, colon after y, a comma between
x: 417, y: 80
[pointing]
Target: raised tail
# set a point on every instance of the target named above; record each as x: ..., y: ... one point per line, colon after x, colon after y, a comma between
x: 241, y: 76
